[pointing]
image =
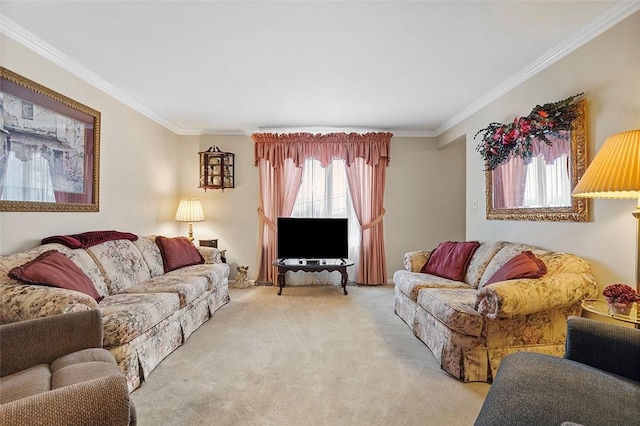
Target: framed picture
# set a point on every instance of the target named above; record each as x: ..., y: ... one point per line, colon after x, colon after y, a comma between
x: 49, y: 149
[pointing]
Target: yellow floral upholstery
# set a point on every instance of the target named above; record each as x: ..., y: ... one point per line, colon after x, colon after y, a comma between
x: 469, y: 326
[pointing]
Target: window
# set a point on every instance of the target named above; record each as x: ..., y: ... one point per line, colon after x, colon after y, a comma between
x: 324, y: 192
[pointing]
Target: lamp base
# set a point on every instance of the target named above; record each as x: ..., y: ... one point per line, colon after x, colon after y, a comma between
x: 190, y: 232
x: 636, y: 214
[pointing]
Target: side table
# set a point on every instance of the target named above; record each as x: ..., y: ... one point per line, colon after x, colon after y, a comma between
x: 600, y: 307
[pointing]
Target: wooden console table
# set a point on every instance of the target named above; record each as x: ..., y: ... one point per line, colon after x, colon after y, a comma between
x: 323, y: 265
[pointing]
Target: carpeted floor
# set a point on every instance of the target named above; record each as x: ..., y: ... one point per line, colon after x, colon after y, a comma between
x: 309, y: 357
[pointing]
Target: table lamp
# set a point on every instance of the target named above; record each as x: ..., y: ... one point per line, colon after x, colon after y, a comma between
x: 615, y: 173
x: 190, y: 210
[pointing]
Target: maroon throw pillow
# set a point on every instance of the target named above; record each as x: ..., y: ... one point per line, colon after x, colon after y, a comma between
x: 524, y: 265
x: 54, y: 269
x: 178, y: 252
x: 451, y: 259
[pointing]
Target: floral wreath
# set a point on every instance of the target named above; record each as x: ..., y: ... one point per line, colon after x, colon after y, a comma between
x: 501, y: 141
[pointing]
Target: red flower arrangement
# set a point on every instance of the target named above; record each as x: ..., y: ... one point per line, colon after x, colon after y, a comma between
x: 620, y: 297
x: 501, y: 141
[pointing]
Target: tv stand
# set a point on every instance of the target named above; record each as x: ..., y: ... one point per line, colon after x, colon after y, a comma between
x: 330, y: 265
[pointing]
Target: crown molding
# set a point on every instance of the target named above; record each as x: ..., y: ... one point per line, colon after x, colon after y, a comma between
x: 45, y: 50
x: 610, y: 17
x: 607, y: 19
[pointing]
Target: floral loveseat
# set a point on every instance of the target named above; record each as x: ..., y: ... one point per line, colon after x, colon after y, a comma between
x: 472, y: 323
x: 147, y: 313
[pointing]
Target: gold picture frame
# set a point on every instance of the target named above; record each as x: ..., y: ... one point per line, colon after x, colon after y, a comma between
x: 578, y: 211
x: 49, y: 149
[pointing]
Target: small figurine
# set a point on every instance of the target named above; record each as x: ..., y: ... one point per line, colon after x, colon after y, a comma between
x: 241, y: 277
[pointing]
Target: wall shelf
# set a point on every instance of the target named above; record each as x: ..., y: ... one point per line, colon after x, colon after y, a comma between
x: 216, y: 170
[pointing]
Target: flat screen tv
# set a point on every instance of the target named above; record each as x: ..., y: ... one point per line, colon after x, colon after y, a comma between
x: 313, y: 238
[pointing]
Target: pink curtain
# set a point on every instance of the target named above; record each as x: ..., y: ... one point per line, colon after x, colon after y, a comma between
x: 513, y: 178
x: 366, y: 185
x: 278, y: 189
x: 560, y: 145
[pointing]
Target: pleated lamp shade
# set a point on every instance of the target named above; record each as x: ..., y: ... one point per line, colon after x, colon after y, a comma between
x: 615, y: 170
x: 190, y: 210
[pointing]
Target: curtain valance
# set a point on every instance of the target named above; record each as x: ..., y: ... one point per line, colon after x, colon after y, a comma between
x: 561, y: 145
x: 275, y: 148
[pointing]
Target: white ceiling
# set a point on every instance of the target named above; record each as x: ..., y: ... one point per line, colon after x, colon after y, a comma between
x: 414, y: 68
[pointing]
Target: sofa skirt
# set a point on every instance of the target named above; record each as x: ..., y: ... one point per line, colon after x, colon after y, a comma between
x: 404, y: 307
x: 464, y: 357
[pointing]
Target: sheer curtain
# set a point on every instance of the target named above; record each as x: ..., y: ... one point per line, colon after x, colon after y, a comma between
x: 548, y: 184
x: 28, y: 180
x: 324, y: 193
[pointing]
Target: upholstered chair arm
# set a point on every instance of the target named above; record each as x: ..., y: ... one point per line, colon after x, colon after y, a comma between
x: 604, y: 346
x: 511, y: 298
x: 103, y: 401
x: 210, y: 254
x: 415, y: 260
x: 28, y: 343
x: 20, y: 302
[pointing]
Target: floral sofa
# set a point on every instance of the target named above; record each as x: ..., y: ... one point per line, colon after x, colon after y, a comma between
x: 147, y: 313
x: 472, y: 323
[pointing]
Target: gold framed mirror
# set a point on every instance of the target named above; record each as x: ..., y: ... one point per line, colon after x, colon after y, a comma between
x: 539, y: 189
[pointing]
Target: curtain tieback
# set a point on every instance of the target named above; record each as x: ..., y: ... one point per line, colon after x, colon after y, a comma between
x: 374, y: 222
x: 266, y: 220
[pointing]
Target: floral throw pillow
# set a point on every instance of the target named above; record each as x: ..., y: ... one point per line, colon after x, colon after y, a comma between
x: 54, y: 269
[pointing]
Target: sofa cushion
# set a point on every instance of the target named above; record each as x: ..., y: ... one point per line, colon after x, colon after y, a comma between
x: 480, y: 259
x: 506, y: 253
x: 25, y: 383
x: 410, y: 283
x: 188, y: 287
x: 151, y: 253
x: 524, y: 265
x: 453, y: 308
x: 450, y: 259
x: 84, y: 355
x: 121, y: 263
x: 215, y: 273
x: 82, y: 372
x: 54, y: 269
x: 178, y: 252
x: 126, y: 316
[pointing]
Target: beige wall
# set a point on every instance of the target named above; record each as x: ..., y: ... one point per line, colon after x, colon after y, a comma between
x: 138, y: 164
x: 607, y: 69
x: 146, y: 168
x: 425, y: 185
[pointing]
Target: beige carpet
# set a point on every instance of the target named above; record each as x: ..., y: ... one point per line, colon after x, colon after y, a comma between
x: 309, y: 357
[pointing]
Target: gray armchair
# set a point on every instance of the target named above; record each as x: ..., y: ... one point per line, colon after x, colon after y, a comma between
x: 597, y: 382
x: 53, y: 371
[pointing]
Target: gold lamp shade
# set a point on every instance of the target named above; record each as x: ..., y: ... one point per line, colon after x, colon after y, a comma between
x: 615, y: 171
